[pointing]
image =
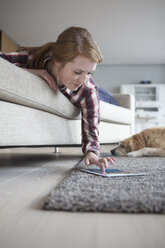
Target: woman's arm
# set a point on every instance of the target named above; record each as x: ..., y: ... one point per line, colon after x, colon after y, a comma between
x: 17, y: 58
x: 21, y: 59
x: 42, y: 73
x: 90, y: 122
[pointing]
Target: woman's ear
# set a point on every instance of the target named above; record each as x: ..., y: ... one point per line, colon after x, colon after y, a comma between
x: 56, y: 63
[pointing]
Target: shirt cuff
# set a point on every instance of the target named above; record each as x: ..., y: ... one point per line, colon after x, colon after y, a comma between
x: 94, y: 151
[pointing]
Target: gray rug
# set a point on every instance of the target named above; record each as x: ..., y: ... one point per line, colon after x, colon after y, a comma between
x: 84, y: 192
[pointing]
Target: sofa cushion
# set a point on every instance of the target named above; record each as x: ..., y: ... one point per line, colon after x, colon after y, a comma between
x: 31, y: 127
x: 106, y: 96
x: 115, y: 114
x: 21, y: 87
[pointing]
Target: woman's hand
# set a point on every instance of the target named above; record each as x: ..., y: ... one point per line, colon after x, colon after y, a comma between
x: 92, y: 158
x: 44, y: 75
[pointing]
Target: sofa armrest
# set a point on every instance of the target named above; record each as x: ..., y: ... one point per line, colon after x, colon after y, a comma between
x: 125, y: 101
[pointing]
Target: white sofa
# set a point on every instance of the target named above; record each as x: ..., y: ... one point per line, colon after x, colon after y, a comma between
x: 32, y: 114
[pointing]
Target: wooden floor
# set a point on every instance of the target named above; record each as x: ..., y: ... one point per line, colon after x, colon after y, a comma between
x: 26, y: 178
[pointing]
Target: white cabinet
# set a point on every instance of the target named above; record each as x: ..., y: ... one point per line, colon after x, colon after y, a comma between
x: 149, y: 104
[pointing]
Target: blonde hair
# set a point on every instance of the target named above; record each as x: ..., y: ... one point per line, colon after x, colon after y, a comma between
x: 71, y: 42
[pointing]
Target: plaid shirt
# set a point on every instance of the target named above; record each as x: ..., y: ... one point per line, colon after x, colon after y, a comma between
x: 85, y: 98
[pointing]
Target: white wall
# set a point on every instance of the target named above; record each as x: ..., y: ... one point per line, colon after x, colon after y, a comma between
x: 112, y: 76
x: 127, y: 31
x: 130, y: 33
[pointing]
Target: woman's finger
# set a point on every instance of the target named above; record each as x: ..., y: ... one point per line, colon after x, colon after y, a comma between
x: 51, y: 83
x: 100, y: 164
x: 49, y: 79
x: 111, y: 160
x: 104, y: 162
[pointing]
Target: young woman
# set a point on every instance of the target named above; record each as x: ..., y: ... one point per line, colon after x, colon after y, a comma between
x: 67, y: 65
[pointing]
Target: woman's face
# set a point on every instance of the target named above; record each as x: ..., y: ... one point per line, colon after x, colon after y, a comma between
x: 75, y: 73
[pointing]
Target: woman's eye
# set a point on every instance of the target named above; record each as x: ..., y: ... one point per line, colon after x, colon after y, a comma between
x: 77, y: 73
x: 90, y: 73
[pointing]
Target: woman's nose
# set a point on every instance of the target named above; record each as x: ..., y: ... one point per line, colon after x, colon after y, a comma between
x: 83, y: 79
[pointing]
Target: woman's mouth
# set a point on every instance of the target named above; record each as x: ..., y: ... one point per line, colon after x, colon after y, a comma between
x: 76, y: 85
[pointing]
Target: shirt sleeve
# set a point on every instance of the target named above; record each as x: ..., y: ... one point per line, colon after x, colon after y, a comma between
x: 90, y: 120
x: 18, y: 58
x: 86, y: 99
